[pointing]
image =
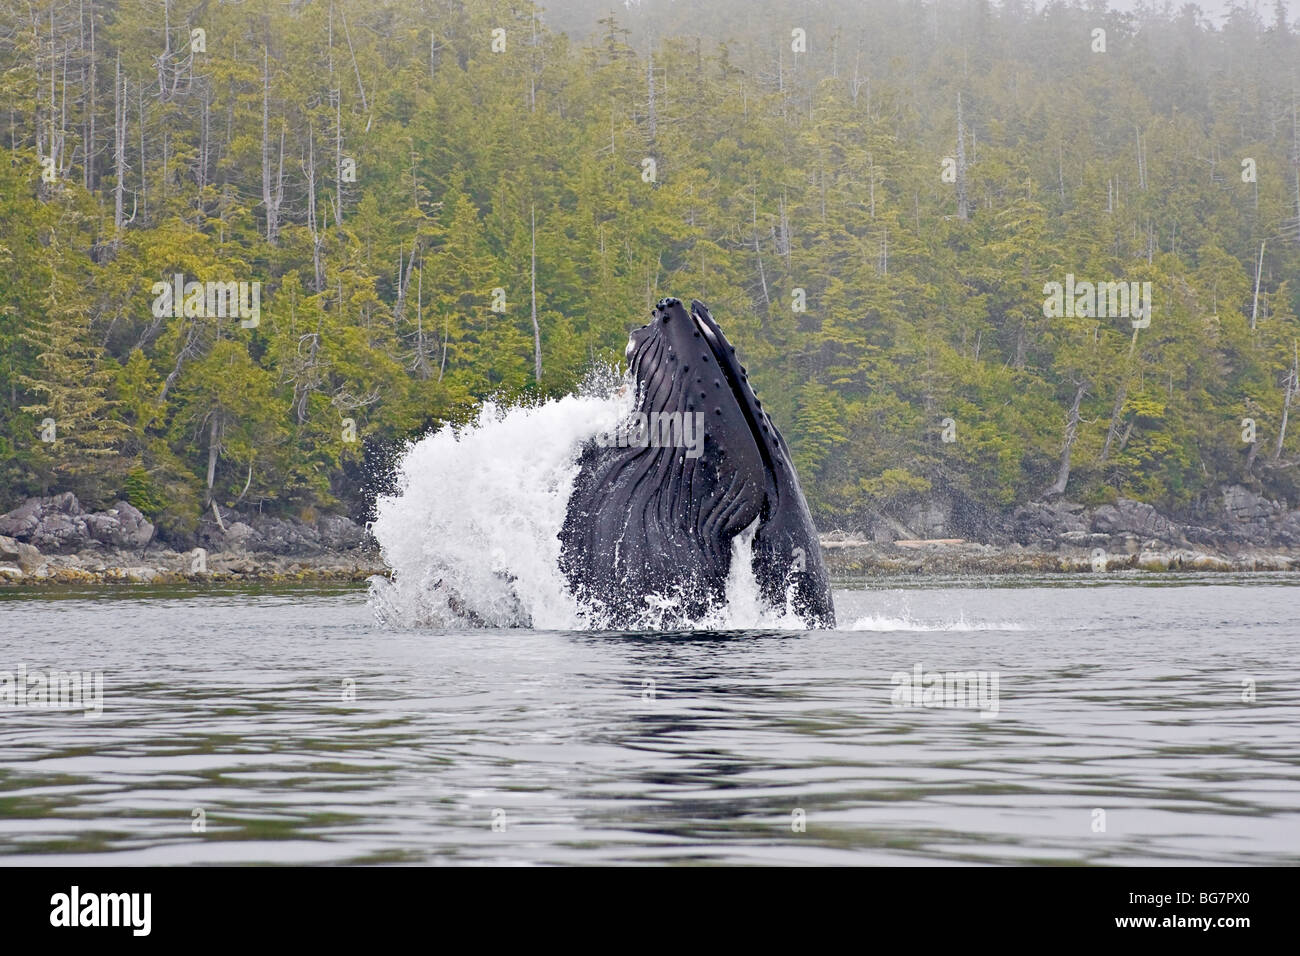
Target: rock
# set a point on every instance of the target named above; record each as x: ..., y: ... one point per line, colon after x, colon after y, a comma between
x: 929, y: 518
x: 1287, y: 531
x: 242, y: 537
x: 1153, y: 561
x: 886, y: 530
x: 1205, y: 537
x: 59, y: 524
x: 122, y: 526
x: 61, y: 532
x: 1206, y: 562
x: 53, y: 524
x: 1242, y: 504
x: 1130, y: 517
x: 1041, y: 521
x: 338, y: 533
x: 23, y: 520
x: 20, y: 553
x: 285, y: 537
x: 72, y: 576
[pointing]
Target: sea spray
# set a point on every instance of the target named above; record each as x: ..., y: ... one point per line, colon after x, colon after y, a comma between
x: 471, y: 531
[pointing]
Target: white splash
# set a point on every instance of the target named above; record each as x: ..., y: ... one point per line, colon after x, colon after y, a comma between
x: 471, y: 534
x: 884, y: 622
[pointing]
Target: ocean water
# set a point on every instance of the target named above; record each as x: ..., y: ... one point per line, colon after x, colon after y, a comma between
x: 1117, y: 719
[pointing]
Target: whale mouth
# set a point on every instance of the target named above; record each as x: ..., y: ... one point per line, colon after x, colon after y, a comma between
x: 647, y: 518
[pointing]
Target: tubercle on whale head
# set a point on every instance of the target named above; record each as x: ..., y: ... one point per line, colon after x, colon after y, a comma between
x: 681, y: 331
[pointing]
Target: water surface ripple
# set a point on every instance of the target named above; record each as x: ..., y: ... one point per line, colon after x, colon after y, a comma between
x: 1124, y: 695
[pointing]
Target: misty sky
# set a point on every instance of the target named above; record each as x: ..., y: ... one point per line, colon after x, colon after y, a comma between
x: 1214, y: 10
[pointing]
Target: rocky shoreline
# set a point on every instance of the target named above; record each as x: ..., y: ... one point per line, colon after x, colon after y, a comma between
x: 54, y: 541
x: 855, y: 558
x: 1246, y: 532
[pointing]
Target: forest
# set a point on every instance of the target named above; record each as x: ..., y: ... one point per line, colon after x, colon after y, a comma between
x: 249, y: 249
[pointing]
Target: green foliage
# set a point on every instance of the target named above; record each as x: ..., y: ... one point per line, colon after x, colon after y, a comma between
x: 893, y: 483
x: 140, y: 491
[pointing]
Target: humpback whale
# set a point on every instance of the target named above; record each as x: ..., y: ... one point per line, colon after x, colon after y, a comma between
x: 653, y: 514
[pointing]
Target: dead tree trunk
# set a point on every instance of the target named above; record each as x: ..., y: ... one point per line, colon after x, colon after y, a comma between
x: 963, y: 204
x: 1121, y: 396
x: 1289, y: 390
x: 270, y: 200
x: 404, y: 280
x: 214, y: 449
x: 90, y: 111
x: 537, y: 330
x: 758, y: 252
x: 652, y: 118
x: 1071, y: 431
x: 119, y: 151
x: 338, y: 158
x: 1259, y: 268
x: 312, y: 224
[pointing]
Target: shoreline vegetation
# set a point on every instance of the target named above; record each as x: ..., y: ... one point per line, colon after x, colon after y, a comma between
x: 54, y: 541
x: 247, y: 256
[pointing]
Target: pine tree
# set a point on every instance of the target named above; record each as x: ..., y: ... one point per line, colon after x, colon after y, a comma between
x: 76, y: 433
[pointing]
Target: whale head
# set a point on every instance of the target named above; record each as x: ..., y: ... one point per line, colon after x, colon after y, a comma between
x: 659, y: 517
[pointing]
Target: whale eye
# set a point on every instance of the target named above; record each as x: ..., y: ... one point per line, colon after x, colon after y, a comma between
x: 704, y: 394
x: 697, y: 334
x: 717, y: 384
x: 704, y: 357
x: 717, y: 411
